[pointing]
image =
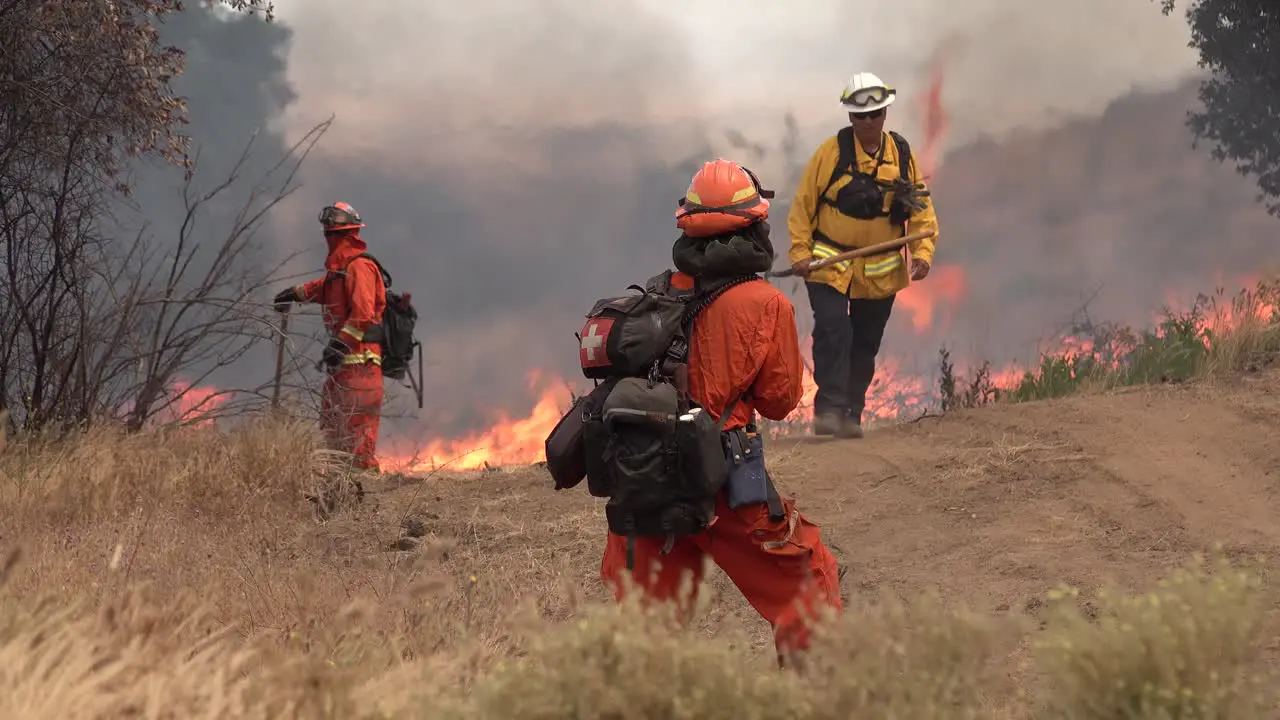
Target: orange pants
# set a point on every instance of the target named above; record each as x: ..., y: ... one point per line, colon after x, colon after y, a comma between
x: 350, y: 409
x: 785, y: 573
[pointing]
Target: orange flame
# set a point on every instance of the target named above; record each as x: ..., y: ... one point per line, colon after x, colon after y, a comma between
x: 194, y: 405
x: 894, y: 394
x: 936, y: 120
x: 944, y: 284
x: 505, y: 442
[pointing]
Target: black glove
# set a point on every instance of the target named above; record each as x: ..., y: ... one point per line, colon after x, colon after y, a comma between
x: 334, y: 352
x: 284, y: 298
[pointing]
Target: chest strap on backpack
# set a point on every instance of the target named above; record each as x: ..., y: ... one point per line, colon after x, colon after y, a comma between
x: 847, y: 164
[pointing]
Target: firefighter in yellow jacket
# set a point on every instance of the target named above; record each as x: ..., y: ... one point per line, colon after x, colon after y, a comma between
x: 860, y: 187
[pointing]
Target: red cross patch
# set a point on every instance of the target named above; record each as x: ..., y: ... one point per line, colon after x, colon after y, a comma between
x: 591, y: 348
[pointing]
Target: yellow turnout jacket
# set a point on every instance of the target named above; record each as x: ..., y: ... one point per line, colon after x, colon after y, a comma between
x: 877, y: 276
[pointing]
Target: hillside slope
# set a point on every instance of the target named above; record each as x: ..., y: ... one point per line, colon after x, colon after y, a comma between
x: 993, y: 507
x: 997, y: 505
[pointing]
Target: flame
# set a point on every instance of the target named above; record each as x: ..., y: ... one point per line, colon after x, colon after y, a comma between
x: 894, y: 394
x: 946, y: 286
x: 936, y: 120
x: 1226, y: 315
x: 945, y: 283
x: 505, y: 442
x: 193, y: 405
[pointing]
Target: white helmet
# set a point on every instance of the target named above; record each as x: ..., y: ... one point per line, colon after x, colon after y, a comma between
x: 866, y: 92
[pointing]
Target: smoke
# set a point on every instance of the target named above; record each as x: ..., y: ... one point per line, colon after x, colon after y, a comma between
x: 235, y: 87
x: 1116, y: 215
x: 514, y: 162
x: 1010, y: 65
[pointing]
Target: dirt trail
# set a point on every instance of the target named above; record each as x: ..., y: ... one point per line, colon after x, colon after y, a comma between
x: 996, y: 505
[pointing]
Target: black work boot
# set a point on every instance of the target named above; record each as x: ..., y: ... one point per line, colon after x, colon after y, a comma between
x: 827, y: 423
x: 850, y: 426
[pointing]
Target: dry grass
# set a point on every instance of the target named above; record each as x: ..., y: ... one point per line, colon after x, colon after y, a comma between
x: 980, y: 458
x: 186, y: 576
x: 1189, y: 649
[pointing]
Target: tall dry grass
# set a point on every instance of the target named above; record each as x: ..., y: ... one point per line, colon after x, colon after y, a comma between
x: 185, y: 576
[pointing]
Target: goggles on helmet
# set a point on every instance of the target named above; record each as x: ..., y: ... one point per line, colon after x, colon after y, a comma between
x: 863, y: 97
x: 334, y: 215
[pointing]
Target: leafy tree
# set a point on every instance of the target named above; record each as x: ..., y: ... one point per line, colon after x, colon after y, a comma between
x: 1239, y: 44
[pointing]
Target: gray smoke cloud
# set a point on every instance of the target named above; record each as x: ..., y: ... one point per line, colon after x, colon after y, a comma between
x: 516, y: 161
x: 236, y: 88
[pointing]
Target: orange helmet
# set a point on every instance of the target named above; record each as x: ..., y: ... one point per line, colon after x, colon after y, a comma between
x: 340, y: 216
x: 722, y: 197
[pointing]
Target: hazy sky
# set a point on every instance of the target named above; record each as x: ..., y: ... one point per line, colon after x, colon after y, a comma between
x: 1013, y: 63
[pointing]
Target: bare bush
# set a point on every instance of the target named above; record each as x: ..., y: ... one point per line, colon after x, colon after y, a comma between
x: 85, y: 89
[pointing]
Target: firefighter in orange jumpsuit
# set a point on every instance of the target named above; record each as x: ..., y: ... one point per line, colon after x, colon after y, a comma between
x: 744, y: 342
x: 353, y: 295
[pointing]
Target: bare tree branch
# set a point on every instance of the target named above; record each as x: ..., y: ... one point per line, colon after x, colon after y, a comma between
x: 198, y: 325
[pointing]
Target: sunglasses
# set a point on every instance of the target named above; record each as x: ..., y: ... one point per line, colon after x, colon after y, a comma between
x: 868, y: 115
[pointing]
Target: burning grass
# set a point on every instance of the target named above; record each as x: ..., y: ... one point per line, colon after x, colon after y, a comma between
x: 1216, y: 335
x: 184, y: 575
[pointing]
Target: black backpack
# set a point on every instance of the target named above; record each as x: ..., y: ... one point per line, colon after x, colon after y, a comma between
x: 395, y: 334
x: 637, y: 437
x: 845, y: 160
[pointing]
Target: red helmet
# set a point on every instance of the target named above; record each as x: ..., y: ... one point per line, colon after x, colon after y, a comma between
x: 340, y: 216
x: 722, y: 197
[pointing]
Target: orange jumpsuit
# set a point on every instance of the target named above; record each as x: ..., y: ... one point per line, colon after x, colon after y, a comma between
x: 351, y: 401
x: 746, y: 339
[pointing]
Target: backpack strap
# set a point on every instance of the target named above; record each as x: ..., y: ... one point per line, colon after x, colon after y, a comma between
x: 660, y: 283
x: 904, y: 164
x: 702, y: 300
x: 904, y: 155
x: 699, y: 301
x: 847, y: 162
x: 847, y: 155
x: 386, y: 276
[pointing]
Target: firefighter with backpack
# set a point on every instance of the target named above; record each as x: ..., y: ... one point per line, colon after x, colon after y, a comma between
x: 370, y: 331
x: 669, y: 435
x: 860, y: 188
